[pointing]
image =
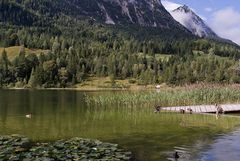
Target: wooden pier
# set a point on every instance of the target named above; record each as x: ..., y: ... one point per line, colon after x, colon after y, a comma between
x: 204, y: 108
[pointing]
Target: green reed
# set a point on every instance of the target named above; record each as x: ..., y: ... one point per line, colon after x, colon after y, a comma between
x: 167, y: 97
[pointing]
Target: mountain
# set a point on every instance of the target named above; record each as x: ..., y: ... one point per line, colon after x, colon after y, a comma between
x: 193, y: 22
x: 196, y: 25
x: 144, y: 20
x: 147, y: 13
x: 121, y: 39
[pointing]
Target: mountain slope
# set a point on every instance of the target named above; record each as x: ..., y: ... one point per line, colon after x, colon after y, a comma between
x: 104, y: 38
x: 146, y: 13
x: 142, y: 20
x: 193, y: 22
x: 15, y: 14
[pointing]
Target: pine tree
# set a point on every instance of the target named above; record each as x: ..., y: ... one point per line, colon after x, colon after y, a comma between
x: 72, y: 64
x: 56, y: 46
x: 5, y: 63
x: 1, y: 79
x: 32, y: 80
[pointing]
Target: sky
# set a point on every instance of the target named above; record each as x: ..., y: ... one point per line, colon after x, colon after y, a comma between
x: 223, y: 16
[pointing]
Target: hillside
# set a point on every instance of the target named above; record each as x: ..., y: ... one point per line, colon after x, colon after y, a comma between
x: 22, y: 21
x: 14, y: 51
x: 141, y: 12
x: 104, y: 38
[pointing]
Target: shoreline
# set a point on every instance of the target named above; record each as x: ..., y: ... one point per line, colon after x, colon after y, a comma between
x: 134, y: 87
x: 79, y: 89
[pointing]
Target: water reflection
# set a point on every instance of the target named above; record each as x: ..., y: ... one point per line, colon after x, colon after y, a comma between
x: 151, y: 136
x: 224, y: 148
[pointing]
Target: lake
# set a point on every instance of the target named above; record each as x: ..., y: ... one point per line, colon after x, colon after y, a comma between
x: 62, y: 114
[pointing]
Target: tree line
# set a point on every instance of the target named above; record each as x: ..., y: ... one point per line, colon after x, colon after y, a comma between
x: 66, y: 64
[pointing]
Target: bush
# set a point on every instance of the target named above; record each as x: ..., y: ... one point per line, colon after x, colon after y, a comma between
x: 132, y: 81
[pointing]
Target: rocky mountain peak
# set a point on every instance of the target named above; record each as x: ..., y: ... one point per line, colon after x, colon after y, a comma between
x: 193, y: 22
x: 184, y: 8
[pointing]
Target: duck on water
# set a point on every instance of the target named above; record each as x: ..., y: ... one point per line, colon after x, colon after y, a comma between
x: 29, y: 116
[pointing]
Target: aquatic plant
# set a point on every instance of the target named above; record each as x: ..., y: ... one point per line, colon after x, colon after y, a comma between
x: 20, y: 148
x: 167, y: 97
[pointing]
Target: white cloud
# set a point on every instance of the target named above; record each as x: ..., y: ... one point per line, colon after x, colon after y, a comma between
x: 170, y: 6
x: 226, y: 23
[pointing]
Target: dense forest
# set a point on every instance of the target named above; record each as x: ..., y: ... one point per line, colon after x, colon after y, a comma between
x: 78, y: 48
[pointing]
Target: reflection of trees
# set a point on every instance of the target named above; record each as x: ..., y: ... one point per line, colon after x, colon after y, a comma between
x: 64, y: 114
x: 3, y: 107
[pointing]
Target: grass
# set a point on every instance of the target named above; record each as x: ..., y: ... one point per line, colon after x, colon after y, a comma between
x: 104, y: 83
x: 163, y: 57
x: 179, y: 97
x: 200, y: 54
x: 158, y: 56
x: 13, y: 51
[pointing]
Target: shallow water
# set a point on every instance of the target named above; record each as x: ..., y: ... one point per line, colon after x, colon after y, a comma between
x: 150, y: 136
x: 224, y: 148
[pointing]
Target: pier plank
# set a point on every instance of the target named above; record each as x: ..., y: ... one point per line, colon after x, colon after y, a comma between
x: 205, y: 108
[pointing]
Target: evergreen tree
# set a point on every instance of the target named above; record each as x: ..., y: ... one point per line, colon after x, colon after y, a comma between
x: 32, y: 80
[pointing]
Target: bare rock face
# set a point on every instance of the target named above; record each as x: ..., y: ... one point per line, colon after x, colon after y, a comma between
x: 193, y: 22
x: 147, y: 13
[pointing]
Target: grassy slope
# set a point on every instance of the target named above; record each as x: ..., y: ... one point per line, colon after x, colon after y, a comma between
x: 158, y: 56
x: 13, y: 51
x: 95, y: 83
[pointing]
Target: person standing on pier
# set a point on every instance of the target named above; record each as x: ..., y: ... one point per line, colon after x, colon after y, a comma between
x: 157, y: 109
x: 219, y: 110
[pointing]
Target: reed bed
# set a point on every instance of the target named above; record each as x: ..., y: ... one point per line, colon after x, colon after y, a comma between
x: 167, y: 98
